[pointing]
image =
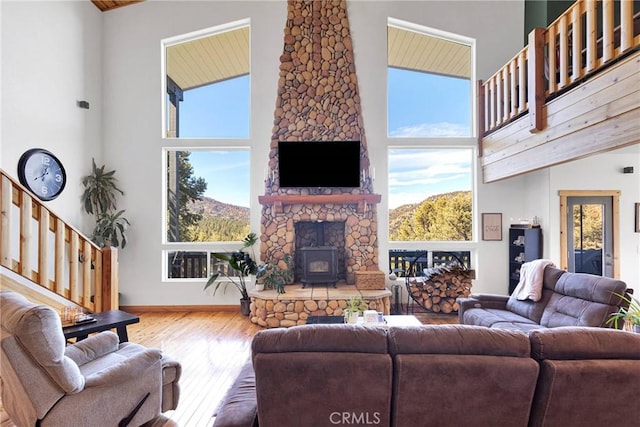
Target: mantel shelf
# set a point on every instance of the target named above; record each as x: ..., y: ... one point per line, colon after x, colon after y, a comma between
x: 279, y: 200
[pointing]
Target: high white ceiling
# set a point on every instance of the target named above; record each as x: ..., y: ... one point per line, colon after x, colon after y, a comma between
x: 225, y: 55
x: 417, y: 51
x: 209, y: 59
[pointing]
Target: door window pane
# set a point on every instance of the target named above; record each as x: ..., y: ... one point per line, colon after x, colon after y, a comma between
x: 588, y: 227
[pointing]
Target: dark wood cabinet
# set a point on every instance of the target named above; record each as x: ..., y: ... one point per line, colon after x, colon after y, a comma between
x: 525, y: 244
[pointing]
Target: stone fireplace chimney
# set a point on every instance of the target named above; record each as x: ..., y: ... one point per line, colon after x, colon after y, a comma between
x: 318, y: 99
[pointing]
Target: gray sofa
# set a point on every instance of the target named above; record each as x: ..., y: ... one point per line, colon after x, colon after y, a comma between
x: 436, y: 375
x: 568, y: 299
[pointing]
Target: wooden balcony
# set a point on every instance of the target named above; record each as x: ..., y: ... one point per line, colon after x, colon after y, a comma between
x: 572, y: 92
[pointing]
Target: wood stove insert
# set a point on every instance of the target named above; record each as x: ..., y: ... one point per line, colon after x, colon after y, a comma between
x: 319, y: 265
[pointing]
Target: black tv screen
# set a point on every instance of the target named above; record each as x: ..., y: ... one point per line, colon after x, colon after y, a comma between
x: 319, y: 163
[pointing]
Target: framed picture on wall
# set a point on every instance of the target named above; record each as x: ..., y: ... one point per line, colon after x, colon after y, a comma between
x: 637, y: 217
x: 491, y: 226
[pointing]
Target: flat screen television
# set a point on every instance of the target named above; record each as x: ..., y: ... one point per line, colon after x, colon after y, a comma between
x: 319, y: 164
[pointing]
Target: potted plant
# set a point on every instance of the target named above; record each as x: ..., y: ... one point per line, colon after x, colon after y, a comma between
x: 239, y: 265
x: 629, y: 316
x: 111, y: 229
x: 272, y: 276
x: 99, y: 199
x: 355, y: 306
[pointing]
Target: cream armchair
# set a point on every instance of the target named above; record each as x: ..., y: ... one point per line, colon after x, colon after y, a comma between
x: 95, y: 382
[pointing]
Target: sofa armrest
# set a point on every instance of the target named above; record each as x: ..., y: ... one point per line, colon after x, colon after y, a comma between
x: 491, y: 299
x: 171, y: 373
x: 484, y: 301
x: 127, y: 369
x: 92, y: 347
x: 239, y: 408
x: 494, y: 301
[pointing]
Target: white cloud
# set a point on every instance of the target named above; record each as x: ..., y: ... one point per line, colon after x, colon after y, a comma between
x: 442, y: 129
x: 417, y: 173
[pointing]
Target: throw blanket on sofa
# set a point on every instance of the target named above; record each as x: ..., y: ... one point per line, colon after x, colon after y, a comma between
x: 531, y: 275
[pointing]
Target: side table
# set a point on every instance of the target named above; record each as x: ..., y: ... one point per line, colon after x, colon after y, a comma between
x: 111, y: 319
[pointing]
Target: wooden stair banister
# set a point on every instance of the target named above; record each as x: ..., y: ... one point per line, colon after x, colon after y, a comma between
x: 52, y: 253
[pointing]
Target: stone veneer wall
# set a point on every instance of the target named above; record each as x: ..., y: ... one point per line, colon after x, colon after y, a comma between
x: 318, y: 99
x: 282, y: 312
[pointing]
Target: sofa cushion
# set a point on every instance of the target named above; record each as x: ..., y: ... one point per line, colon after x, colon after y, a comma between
x: 574, y: 342
x: 32, y: 325
x: 588, y: 377
x: 461, y: 375
x: 490, y: 317
x: 319, y: 337
x: 582, y: 300
x: 319, y: 374
x: 533, y: 310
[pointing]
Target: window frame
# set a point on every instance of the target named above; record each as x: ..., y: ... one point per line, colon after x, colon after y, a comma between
x: 192, y: 144
x: 456, y: 38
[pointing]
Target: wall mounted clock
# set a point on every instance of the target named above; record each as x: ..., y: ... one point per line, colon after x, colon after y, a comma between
x: 42, y: 173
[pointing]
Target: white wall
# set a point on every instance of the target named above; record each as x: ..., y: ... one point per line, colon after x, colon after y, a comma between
x: 52, y: 54
x: 133, y: 131
x: 133, y: 89
x: 602, y: 172
x: 51, y: 58
x: 498, y: 37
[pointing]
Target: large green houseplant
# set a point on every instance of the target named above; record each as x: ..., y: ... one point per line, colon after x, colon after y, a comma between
x: 237, y: 266
x: 99, y: 199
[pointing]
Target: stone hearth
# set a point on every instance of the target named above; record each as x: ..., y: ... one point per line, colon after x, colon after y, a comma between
x: 272, y: 310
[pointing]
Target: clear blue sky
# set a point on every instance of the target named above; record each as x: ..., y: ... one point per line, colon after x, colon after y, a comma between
x: 221, y: 111
x: 420, y: 105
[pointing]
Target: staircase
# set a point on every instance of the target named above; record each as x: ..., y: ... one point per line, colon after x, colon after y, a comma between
x: 41, y: 254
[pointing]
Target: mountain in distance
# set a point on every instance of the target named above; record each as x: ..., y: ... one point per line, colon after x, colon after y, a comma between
x: 398, y: 215
x: 208, y: 207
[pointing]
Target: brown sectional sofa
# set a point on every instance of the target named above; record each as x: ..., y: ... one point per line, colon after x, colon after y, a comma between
x: 568, y: 299
x: 437, y: 375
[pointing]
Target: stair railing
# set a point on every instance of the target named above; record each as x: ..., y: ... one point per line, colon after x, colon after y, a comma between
x: 38, y: 245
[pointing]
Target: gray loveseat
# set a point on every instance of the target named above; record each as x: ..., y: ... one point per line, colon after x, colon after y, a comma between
x: 436, y: 375
x: 568, y: 299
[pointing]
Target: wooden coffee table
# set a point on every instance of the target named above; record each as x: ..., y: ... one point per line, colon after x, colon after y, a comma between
x: 104, y: 321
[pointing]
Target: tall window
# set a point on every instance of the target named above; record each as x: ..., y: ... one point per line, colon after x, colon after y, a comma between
x: 207, y: 184
x: 208, y: 84
x: 429, y: 100
x: 429, y: 83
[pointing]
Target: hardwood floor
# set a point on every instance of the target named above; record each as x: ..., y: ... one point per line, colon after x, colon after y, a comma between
x: 212, y: 347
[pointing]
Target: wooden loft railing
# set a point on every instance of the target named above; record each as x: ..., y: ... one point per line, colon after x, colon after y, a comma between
x: 38, y: 245
x: 546, y: 67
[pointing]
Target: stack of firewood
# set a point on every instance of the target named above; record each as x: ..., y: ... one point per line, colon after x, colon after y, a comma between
x: 440, y: 287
